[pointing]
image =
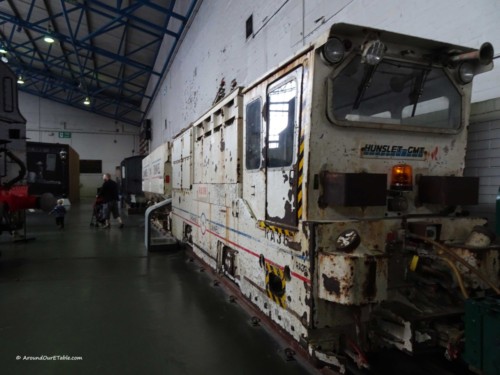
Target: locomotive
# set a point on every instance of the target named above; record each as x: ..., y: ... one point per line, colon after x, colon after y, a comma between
x: 14, y: 194
x: 331, y: 193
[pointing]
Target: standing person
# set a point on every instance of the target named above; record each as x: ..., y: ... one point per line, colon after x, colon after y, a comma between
x: 109, y: 194
x: 59, y: 211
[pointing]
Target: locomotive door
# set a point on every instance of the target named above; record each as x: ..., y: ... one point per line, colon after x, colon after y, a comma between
x: 283, y: 113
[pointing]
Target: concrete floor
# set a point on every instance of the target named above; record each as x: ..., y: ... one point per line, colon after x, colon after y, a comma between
x: 95, y: 293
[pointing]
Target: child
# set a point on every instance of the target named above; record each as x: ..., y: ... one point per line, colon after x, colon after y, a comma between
x: 59, y: 211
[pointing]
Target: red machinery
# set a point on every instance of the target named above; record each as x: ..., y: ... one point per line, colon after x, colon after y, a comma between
x: 14, y: 197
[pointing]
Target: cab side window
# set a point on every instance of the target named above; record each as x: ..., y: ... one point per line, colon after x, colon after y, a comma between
x: 253, y: 130
x: 282, y: 117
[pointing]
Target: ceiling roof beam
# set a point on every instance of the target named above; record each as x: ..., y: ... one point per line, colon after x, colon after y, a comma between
x: 127, y: 13
x: 27, y: 32
x: 113, y: 101
x: 127, y: 92
x: 58, y: 63
x: 94, y: 59
x: 27, y: 26
x: 32, y: 6
x: 105, y: 49
x: 104, y: 84
x: 157, y: 84
x: 75, y: 50
x: 168, y: 11
x: 132, y: 121
x: 75, y: 98
x: 146, y: 3
x: 127, y: 80
x: 63, y: 48
x: 121, y: 72
x: 171, y: 54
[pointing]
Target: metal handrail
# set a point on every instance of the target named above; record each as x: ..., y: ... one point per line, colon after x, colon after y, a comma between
x: 149, y: 211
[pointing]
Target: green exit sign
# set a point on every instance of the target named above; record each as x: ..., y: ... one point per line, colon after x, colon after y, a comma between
x: 64, y: 134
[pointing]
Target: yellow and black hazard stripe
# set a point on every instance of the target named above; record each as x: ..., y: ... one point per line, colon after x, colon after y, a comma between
x: 301, y: 175
x: 276, y: 284
x: 275, y: 229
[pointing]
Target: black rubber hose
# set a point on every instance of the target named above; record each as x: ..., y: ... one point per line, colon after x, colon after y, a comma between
x: 22, y: 170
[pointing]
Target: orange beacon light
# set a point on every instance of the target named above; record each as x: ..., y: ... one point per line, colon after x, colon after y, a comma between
x: 402, y: 177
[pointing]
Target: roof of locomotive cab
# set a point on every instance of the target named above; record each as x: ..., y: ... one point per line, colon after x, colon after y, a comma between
x: 356, y: 31
x: 362, y: 32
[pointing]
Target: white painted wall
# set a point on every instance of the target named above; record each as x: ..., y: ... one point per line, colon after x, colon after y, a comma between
x: 215, y: 46
x: 483, y: 156
x: 92, y: 137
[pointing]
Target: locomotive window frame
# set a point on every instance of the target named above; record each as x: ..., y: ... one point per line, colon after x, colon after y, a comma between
x: 381, y: 120
x: 253, y: 134
x: 280, y: 151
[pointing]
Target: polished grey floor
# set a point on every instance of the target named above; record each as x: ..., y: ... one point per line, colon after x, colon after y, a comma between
x: 96, y: 294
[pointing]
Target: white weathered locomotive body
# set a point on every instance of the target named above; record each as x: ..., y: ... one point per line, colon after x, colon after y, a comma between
x: 331, y: 192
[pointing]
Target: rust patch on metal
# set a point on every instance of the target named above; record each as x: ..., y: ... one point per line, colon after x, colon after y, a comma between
x: 303, y: 319
x: 222, y: 144
x: 370, y: 284
x: 289, y: 213
x: 294, y: 245
x: 331, y: 284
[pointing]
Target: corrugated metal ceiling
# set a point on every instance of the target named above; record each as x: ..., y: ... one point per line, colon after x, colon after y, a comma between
x: 103, y: 50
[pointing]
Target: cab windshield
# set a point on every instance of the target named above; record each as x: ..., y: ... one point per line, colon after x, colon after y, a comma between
x: 394, y: 94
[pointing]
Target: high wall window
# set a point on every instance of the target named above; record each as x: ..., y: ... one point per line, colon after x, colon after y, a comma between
x: 90, y: 166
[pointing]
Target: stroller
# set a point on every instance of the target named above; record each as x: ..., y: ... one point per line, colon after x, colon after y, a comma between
x: 98, y: 217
